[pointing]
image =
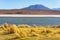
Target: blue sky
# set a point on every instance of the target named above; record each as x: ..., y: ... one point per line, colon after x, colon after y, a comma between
x: 17, y: 4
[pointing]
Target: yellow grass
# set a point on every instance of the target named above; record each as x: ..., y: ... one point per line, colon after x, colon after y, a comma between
x: 26, y: 32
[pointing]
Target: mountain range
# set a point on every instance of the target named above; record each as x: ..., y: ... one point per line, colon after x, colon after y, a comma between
x: 39, y: 7
x: 32, y: 10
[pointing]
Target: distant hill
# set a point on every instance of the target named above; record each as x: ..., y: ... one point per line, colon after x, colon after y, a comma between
x: 56, y: 9
x: 37, y: 7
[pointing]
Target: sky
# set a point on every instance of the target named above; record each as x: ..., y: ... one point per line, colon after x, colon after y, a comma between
x: 18, y: 4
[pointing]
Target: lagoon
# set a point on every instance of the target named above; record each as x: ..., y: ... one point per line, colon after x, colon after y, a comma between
x: 31, y: 20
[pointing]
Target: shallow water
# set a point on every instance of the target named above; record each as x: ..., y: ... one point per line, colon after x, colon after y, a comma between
x: 31, y: 20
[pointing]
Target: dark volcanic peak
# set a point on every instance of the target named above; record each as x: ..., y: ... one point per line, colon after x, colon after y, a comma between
x: 37, y: 7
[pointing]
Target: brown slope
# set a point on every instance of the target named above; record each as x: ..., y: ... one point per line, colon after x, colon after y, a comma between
x: 24, y: 11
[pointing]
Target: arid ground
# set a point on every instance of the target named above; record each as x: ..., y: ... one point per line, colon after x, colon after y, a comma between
x: 30, y: 12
